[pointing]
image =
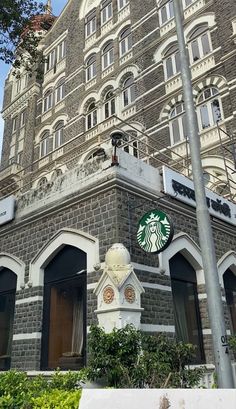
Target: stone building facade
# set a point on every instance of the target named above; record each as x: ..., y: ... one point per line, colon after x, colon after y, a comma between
x: 113, y: 66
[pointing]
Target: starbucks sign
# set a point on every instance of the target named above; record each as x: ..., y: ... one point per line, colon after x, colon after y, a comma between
x: 155, y: 231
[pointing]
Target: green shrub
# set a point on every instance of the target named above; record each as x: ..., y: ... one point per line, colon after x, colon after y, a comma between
x: 57, y: 399
x: 127, y: 358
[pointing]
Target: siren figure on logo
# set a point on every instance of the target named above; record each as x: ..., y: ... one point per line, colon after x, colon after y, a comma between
x: 155, y: 232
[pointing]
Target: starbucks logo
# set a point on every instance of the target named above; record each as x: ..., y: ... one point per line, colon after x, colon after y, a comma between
x: 155, y: 231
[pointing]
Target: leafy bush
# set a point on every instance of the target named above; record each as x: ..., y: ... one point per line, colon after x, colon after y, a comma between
x: 17, y: 391
x: 127, y: 358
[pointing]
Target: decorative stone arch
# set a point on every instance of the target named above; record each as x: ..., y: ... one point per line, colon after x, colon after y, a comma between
x: 91, y: 53
x: 87, y: 6
x: 93, y: 97
x: 110, y: 85
x: 16, y: 266
x: 158, y: 55
x: 164, y: 115
x: 216, y: 81
x: 50, y: 127
x: 208, y: 19
x: 71, y: 237
x: 183, y: 244
x: 228, y: 260
x: 129, y: 70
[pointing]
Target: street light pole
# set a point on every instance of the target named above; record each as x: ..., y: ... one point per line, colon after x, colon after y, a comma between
x: 214, y: 300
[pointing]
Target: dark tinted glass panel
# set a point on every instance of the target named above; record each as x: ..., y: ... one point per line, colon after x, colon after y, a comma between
x: 230, y: 293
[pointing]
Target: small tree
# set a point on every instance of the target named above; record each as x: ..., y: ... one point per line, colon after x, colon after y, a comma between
x: 127, y: 358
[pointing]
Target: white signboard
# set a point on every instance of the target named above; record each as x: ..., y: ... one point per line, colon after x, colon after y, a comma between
x: 7, y: 209
x: 158, y: 399
x: 181, y: 188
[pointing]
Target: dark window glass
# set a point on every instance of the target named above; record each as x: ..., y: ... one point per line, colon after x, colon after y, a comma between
x: 64, y: 327
x: 186, y: 306
x: 230, y: 293
x: 7, y: 307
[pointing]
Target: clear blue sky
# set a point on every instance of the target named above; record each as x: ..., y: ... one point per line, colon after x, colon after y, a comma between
x: 57, y: 6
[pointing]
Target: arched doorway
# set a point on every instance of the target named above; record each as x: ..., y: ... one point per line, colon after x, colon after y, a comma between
x: 7, y: 307
x: 64, y: 311
x: 186, y: 305
x: 230, y: 294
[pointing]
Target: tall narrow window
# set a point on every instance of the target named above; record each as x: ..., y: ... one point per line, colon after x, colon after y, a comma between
x: 90, y: 24
x: 7, y: 307
x: 171, y: 61
x: 64, y: 324
x: 199, y: 43
x: 106, y: 11
x: 50, y: 60
x: 91, y: 119
x: 61, y: 50
x: 166, y: 11
x: 91, y: 68
x: 45, y: 144
x: 125, y: 41
x: 107, y: 55
x: 58, y: 134
x: 128, y: 91
x: 230, y: 293
x: 14, y: 123
x: 22, y: 118
x: 178, y: 130
x: 60, y: 90
x: 47, y: 100
x: 132, y: 143
x: 209, y: 108
x: 110, y: 106
x: 122, y: 3
x: 186, y: 306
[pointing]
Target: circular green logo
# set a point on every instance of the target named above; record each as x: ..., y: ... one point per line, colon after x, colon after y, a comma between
x: 155, y: 231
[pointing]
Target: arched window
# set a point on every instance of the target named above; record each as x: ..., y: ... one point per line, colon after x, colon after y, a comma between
x: 177, y: 118
x: 60, y: 90
x: 47, y: 100
x: 106, y: 11
x: 128, y: 91
x: 171, y: 61
x: 7, y: 307
x: 166, y: 11
x: 91, y: 118
x: 209, y: 108
x: 125, y: 41
x: 186, y: 306
x: 200, y: 44
x: 110, y: 104
x: 107, y: 55
x: 64, y: 310
x: 58, y: 134
x: 45, y: 144
x: 230, y: 294
x: 91, y: 67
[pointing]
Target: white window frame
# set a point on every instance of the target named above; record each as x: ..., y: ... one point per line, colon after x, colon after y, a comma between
x: 109, y: 104
x: 132, y: 145
x: 91, y: 69
x: 91, y: 116
x: 199, y: 41
x: 125, y: 41
x: 207, y: 103
x: 44, y: 145
x: 22, y: 118
x: 14, y: 123
x: 168, y: 6
x: 122, y: 4
x: 185, y: 5
x: 172, y: 58
x: 60, y: 91
x: 47, y: 101
x: 177, y: 117
x: 90, y: 25
x: 61, y: 50
x: 106, y: 12
x: 107, y: 55
x: 128, y: 92
x: 58, y: 135
x: 50, y: 61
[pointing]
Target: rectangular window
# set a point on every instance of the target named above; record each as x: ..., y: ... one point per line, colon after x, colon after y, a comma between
x: 205, y: 44
x: 90, y: 24
x: 61, y: 50
x: 195, y: 50
x: 19, y: 157
x: 106, y: 12
x: 175, y: 131
x: 50, y: 61
x: 169, y: 67
x: 122, y: 3
x: 204, y: 117
x: 22, y: 119
x: 14, y: 123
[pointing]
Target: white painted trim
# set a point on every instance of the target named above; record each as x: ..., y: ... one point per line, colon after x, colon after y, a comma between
x: 91, y: 286
x: 72, y: 237
x: 156, y: 286
x: 32, y: 335
x: 15, y: 265
x: 228, y: 260
x: 143, y: 267
x: 206, y: 331
x: 202, y: 296
x: 157, y: 328
x: 35, y: 298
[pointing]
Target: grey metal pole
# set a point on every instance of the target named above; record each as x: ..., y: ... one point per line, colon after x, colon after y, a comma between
x: 214, y: 300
